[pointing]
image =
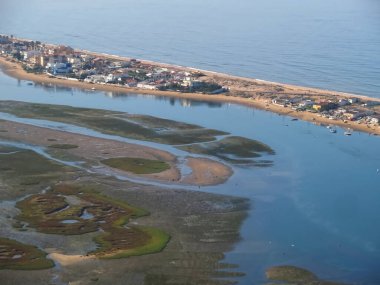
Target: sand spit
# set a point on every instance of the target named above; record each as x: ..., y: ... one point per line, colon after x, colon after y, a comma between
x: 250, y: 88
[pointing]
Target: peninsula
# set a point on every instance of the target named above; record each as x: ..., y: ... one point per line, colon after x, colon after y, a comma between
x: 63, y: 65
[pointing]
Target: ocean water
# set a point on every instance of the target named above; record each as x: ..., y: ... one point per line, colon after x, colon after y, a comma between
x: 317, y: 207
x: 331, y: 44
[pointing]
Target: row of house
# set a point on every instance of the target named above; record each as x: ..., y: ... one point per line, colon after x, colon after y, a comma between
x: 352, y: 109
x: 83, y: 66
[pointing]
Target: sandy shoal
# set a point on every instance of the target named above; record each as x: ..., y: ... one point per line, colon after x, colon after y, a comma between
x: 96, y: 149
x: 206, y: 171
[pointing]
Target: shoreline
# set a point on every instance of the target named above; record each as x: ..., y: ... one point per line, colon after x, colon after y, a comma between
x: 15, y: 70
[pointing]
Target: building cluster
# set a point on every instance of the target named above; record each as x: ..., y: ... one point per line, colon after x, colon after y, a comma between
x: 350, y: 109
x: 64, y: 61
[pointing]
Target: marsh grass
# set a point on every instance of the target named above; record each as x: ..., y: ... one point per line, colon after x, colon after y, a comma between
x: 237, y: 150
x: 139, y: 127
x: 63, y: 146
x: 137, y: 165
x: 28, y: 257
x: 47, y: 213
x: 290, y: 274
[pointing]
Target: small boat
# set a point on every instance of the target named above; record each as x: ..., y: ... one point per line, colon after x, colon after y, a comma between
x: 332, y: 130
x: 294, y: 119
x: 348, y: 133
x: 329, y: 127
x: 93, y: 88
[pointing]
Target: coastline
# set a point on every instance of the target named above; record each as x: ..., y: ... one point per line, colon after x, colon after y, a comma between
x: 239, y: 85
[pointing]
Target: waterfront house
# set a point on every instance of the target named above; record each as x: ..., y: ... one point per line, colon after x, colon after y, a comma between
x: 353, y: 100
x: 110, y: 78
x: 371, y: 103
x: 146, y: 86
x: 281, y: 102
x: 4, y: 40
x: 60, y: 68
x: 96, y: 78
x: 317, y: 107
x: 306, y: 104
x: 343, y: 102
x: 355, y: 114
x: 30, y: 54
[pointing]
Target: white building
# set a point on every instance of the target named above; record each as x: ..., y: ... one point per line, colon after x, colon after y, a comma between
x: 31, y: 53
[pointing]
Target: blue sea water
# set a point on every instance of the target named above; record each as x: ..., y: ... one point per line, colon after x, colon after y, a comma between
x: 330, y: 44
x: 318, y: 206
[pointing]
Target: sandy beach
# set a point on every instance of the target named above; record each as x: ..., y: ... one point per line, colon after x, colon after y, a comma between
x: 251, y: 88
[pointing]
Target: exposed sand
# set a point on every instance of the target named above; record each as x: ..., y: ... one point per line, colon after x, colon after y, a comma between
x: 206, y: 171
x: 238, y: 86
x: 93, y: 150
x: 66, y: 260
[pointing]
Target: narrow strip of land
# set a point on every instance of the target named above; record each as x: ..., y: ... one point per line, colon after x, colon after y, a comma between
x: 240, y: 93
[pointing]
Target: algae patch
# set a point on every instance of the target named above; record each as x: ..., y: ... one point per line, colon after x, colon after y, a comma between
x: 62, y: 211
x: 138, y: 127
x: 15, y: 255
x: 237, y: 150
x: 292, y: 275
x: 137, y: 165
x: 63, y: 146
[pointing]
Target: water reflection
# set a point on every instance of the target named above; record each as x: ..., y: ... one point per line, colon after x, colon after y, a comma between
x: 184, y: 102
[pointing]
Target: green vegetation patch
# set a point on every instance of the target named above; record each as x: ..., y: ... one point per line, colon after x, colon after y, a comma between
x: 63, y: 146
x: 15, y: 255
x: 137, y: 165
x: 159, y: 123
x: 74, y: 210
x: 26, y: 167
x: 292, y: 275
x: 138, y: 127
x: 233, y: 149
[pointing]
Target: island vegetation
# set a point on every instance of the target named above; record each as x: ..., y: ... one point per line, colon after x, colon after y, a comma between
x: 137, y: 165
x: 76, y: 210
x: 18, y: 256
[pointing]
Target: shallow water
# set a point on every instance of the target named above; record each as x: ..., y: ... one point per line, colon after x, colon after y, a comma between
x: 331, y: 44
x: 317, y: 207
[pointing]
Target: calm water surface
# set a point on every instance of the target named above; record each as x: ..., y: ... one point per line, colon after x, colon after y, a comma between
x: 317, y: 207
x: 333, y: 44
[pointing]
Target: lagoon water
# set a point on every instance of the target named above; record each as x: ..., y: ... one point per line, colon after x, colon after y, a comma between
x: 331, y: 44
x: 319, y: 205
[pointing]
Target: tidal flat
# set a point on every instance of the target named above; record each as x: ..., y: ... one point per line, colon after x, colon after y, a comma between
x: 187, y: 137
x: 138, y: 127
x: 96, y: 228
x: 201, y: 226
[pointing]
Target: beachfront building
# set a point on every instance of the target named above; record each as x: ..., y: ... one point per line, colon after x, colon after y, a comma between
x: 30, y: 53
x: 148, y: 86
x: 59, y: 68
x: 96, y: 78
